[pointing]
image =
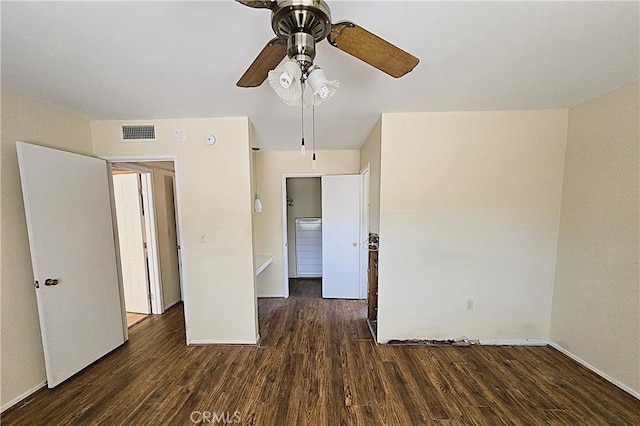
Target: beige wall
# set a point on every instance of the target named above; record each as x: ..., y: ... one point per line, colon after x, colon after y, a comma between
x: 27, y: 120
x: 469, y: 209
x: 214, y: 196
x: 307, y: 202
x: 370, y: 154
x: 270, y: 167
x: 596, y: 303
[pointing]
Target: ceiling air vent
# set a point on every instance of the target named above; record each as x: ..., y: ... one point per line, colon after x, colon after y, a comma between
x: 138, y: 132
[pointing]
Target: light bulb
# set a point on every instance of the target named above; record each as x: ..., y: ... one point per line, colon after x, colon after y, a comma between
x: 314, y: 163
x: 257, y: 205
x: 285, y: 80
x: 303, y: 151
x: 322, y: 88
x: 323, y: 91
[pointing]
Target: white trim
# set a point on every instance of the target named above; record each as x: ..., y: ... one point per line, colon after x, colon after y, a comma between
x: 23, y: 396
x: 265, y: 262
x: 116, y: 243
x: 599, y: 372
x: 285, y: 226
x: 285, y: 238
x: 153, y: 247
x: 223, y: 342
x: 138, y: 158
x: 513, y: 342
x: 365, y: 173
x: 279, y: 295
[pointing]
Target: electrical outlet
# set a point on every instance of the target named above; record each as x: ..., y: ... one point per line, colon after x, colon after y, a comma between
x: 469, y: 305
x: 203, y: 238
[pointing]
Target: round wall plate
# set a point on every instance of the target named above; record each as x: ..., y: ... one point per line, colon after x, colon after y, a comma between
x: 209, y: 139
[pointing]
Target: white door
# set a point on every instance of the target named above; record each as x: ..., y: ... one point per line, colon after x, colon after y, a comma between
x: 126, y: 191
x: 71, y: 238
x: 341, y: 236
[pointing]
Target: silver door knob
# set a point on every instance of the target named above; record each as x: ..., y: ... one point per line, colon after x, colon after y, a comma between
x: 355, y: 244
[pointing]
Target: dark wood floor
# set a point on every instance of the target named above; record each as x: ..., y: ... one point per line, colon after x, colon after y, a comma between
x: 318, y: 365
x: 305, y: 287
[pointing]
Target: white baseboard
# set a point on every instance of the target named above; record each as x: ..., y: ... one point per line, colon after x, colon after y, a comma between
x: 271, y: 295
x: 599, y: 372
x: 222, y: 342
x: 19, y: 398
x: 513, y: 342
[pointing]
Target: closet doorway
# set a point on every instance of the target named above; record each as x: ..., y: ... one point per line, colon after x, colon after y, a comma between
x: 324, y: 252
x: 304, y: 236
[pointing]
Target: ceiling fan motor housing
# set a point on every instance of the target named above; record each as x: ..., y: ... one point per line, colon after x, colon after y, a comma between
x: 302, y: 23
x: 301, y: 47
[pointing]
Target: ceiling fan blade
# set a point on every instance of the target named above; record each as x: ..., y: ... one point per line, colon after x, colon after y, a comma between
x: 258, y: 4
x: 269, y: 58
x: 372, y: 49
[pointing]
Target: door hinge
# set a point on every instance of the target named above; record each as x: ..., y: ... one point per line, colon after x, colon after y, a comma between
x: 150, y: 296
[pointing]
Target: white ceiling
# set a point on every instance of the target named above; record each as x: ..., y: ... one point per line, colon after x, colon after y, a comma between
x: 143, y: 60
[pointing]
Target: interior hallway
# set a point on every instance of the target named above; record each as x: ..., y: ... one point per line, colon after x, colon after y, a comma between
x: 317, y: 364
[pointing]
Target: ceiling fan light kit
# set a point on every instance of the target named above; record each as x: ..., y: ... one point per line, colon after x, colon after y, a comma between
x: 323, y: 89
x: 285, y: 80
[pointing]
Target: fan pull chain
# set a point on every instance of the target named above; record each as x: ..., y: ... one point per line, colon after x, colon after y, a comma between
x: 302, y: 147
x: 314, y: 164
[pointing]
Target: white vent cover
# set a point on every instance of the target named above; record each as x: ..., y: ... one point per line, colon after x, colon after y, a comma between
x: 138, y: 132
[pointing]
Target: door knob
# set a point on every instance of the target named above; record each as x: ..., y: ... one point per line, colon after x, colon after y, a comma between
x: 50, y: 282
x: 355, y: 244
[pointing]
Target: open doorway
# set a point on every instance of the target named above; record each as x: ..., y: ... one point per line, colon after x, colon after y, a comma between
x: 304, y: 236
x: 145, y: 208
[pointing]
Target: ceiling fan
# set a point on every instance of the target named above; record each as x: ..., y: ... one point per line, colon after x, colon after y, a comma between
x: 300, y: 24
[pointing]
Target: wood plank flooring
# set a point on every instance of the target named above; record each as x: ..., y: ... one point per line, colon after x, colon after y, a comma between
x: 134, y: 318
x: 317, y: 365
x: 305, y: 287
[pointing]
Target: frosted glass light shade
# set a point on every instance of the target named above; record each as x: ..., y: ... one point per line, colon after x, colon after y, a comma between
x: 323, y: 89
x: 285, y: 81
x: 257, y: 204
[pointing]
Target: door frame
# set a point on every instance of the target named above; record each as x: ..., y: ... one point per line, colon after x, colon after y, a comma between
x: 150, y: 231
x: 179, y: 224
x: 365, y: 174
x: 285, y: 234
